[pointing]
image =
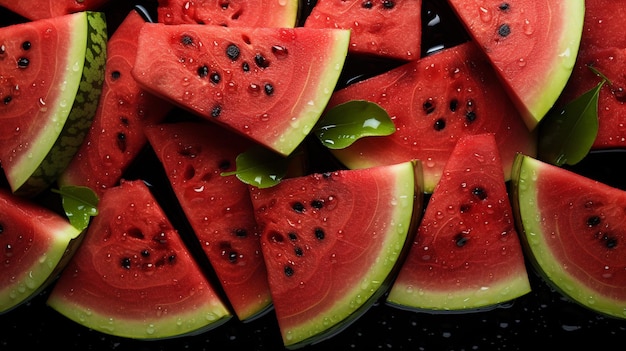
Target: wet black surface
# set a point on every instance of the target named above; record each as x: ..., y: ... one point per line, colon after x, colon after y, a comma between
x: 543, y: 318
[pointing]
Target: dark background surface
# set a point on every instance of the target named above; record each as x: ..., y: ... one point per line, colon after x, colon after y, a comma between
x: 542, y: 318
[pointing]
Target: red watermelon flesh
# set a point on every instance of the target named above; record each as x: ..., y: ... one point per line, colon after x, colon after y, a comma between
x: 133, y: 276
x: 237, y: 13
x: 116, y: 134
x: 573, y: 233
x: 531, y: 44
x: 40, y: 9
x: 36, y: 246
x: 467, y: 254
x: 218, y: 207
x: 269, y: 84
x: 331, y: 243
x: 601, y: 48
x: 386, y: 28
x: 434, y: 102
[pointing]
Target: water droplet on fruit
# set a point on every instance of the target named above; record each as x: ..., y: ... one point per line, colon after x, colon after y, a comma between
x: 528, y: 28
x: 484, y: 14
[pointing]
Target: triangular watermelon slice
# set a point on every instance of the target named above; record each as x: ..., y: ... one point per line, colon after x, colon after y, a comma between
x: 219, y: 210
x: 124, y: 108
x: 467, y: 254
x: 531, y: 44
x: 36, y: 244
x: 331, y: 243
x: 573, y: 232
x: 133, y: 276
x: 269, y: 84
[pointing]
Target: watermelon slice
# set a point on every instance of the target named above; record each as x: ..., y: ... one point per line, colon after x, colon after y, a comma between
x: 231, y: 13
x: 217, y: 207
x: 51, y: 74
x: 331, y: 242
x: 467, y: 254
x: 269, y: 84
x: 37, y: 244
x: 385, y: 28
x: 514, y: 35
x: 133, y: 276
x: 38, y: 9
x: 116, y: 134
x: 573, y: 233
x: 606, y: 52
x: 434, y: 102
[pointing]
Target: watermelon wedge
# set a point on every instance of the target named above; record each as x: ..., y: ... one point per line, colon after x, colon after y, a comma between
x: 515, y: 36
x: 573, y: 233
x: 269, y: 84
x: 37, y: 244
x: 331, y: 243
x: 133, y: 276
x: 466, y: 255
x: 218, y: 208
x: 42, y: 9
x: 51, y: 74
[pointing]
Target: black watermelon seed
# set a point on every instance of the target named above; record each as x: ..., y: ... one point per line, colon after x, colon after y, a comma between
x: 298, y: 207
x: 145, y: 253
x: 470, y: 116
x: 203, y: 71
x: 480, y: 193
x: 610, y: 242
x: 124, y: 121
x: 367, y: 4
x: 388, y: 4
x: 504, y: 30
x: 1, y: 228
x: 440, y: 124
x: 125, y: 262
x: 26, y: 45
x: 317, y: 204
x: 319, y: 233
x: 428, y: 106
x: 593, y: 221
x: 289, y: 271
x: 240, y: 232
x: 115, y: 75
x: 460, y: 240
x: 269, y: 89
x: 504, y: 6
x: 292, y: 236
x: 464, y: 208
x: 233, y: 52
x: 261, y: 61
x: 245, y: 67
x: 454, y: 103
x: 7, y: 100
x: 232, y: 256
x: 22, y: 62
x: 298, y: 251
x: 216, y: 111
x: 171, y: 258
x: 215, y: 77
x: 186, y: 40
x: 121, y: 141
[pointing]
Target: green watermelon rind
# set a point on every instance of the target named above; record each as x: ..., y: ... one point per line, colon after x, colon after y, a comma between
x: 524, y: 191
x: 84, y: 85
x: 380, y: 275
x: 64, y: 240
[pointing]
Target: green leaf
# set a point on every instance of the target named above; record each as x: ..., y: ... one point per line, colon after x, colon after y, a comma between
x: 260, y: 167
x: 346, y: 123
x: 80, y: 203
x: 566, y: 135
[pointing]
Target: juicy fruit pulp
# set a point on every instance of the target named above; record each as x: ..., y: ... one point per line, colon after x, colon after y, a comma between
x: 233, y: 13
x: 434, y: 102
x: 36, y: 245
x: 133, y: 276
x: 116, y: 135
x: 194, y: 155
x: 514, y: 34
x: 466, y: 254
x: 51, y: 74
x: 386, y: 28
x: 269, y: 84
x: 38, y: 9
x: 331, y: 242
x: 573, y: 233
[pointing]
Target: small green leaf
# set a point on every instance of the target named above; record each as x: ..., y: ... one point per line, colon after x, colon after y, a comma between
x: 566, y: 135
x: 80, y: 203
x: 260, y: 167
x: 346, y: 123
